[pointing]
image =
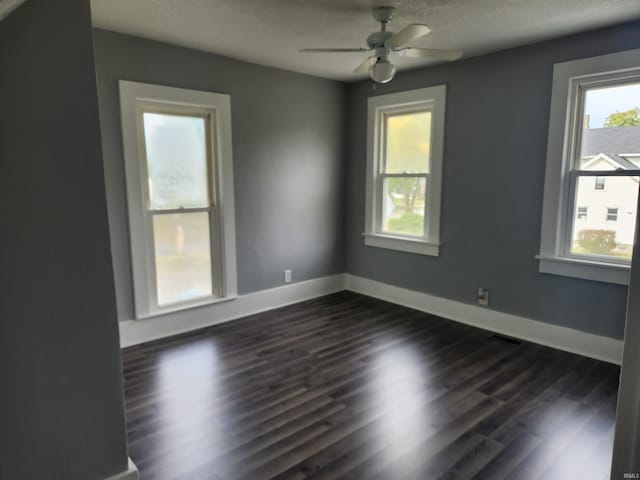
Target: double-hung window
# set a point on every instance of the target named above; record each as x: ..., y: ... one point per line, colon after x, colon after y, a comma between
x: 177, y: 146
x: 583, y: 212
x: 404, y: 170
x: 592, y: 164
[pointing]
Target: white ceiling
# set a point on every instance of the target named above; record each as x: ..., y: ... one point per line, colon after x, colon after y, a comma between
x: 7, y: 6
x: 270, y: 32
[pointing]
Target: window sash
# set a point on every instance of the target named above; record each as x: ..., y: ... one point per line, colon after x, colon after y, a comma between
x: 380, y: 204
x: 385, y: 115
x: 209, y: 117
x: 572, y: 210
x: 215, y: 248
x: 581, y: 87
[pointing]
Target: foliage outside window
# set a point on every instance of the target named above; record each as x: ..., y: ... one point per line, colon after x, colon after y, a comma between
x: 593, y: 162
x: 606, y: 136
x: 405, y: 170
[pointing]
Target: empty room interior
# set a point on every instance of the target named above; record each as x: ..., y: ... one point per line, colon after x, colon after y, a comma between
x: 330, y: 239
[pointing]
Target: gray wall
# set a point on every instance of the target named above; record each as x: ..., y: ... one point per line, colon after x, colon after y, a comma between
x: 627, y: 438
x: 495, y: 152
x: 61, y: 413
x: 288, y: 153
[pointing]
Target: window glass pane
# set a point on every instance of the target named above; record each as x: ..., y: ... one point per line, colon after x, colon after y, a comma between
x: 182, y: 256
x: 582, y: 213
x: 611, y: 128
x: 176, y: 160
x: 403, y: 205
x: 606, y: 229
x: 408, y: 142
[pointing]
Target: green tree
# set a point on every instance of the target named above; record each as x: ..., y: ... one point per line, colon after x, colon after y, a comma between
x: 409, y: 188
x: 628, y: 118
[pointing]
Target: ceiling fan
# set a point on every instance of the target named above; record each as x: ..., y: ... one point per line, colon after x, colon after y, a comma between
x: 384, y: 43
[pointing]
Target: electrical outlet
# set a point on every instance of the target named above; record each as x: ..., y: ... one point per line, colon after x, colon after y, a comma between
x: 483, y: 297
x: 287, y: 276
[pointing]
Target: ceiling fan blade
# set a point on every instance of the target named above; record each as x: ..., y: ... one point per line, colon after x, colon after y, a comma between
x: 332, y: 50
x: 364, y: 66
x: 430, y: 53
x: 408, y: 34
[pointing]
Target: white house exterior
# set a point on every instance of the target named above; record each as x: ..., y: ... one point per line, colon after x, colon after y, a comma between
x: 608, y: 203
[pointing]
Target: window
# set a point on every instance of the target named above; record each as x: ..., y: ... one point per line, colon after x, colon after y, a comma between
x: 177, y: 146
x: 582, y: 213
x: 594, y: 138
x: 404, y: 170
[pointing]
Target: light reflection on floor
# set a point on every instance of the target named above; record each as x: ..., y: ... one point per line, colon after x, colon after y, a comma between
x: 389, y: 401
x: 397, y: 380
x: 196, y: 370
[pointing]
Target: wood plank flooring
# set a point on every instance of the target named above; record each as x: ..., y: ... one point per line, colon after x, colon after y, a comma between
x: 346, y: 386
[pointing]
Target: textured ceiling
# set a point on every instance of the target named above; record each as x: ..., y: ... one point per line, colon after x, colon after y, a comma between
x: 270, y: 32
x: 7, y: 6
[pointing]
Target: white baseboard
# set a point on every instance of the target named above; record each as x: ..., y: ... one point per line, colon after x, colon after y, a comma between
x: 130, y: 474
x: 567, y: 339
x: 133, y: 332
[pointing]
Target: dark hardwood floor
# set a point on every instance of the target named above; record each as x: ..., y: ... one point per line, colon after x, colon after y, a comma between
x: 346, y: 386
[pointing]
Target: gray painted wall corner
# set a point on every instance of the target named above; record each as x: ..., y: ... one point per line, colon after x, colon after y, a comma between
x: 62, y: 412
x: 288, y: 147
x: 492, y: 187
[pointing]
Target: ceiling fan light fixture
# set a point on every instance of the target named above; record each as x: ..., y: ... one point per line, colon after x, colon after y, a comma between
x: 383, y: 43
x: 382, y: 71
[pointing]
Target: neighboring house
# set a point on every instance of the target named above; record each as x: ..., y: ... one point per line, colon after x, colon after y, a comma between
x: 608, y: 203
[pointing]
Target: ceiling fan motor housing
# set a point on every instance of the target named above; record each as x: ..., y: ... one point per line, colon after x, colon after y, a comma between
x: 376, y: 41
x: 383, y: 43
x: 383, y: 14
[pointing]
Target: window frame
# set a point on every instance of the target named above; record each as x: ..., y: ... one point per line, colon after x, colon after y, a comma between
x: 432, y: 99
x: 615, y: 213
x: 583, y: 213
x: 135, y: 100
x: 570, y: 81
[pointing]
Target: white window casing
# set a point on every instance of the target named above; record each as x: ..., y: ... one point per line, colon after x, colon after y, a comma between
x: 430, y: 99
x: 135, y: 99
x: 570, y: 80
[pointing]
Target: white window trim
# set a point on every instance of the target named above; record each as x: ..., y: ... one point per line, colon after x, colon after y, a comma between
x: 132, y: 95
x: 433, y: 98
x: 567, y: 77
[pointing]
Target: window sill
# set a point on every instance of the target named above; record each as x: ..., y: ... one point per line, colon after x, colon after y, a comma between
x: 180, y: 307
x: 585, y: 269
x: 402, y: 244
